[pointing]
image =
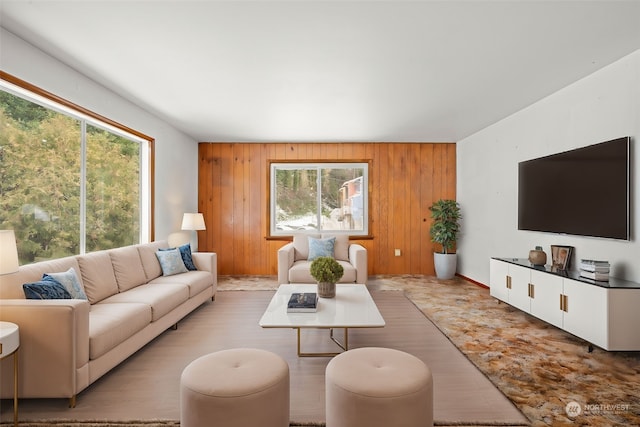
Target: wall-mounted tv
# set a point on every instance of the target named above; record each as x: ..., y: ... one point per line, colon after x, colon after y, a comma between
x: 584, y: 192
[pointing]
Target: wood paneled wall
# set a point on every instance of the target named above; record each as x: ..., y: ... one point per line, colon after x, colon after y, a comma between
x: 405, y: 179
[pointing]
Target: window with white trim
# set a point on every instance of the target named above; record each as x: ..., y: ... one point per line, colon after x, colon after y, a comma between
x: 319, y: 197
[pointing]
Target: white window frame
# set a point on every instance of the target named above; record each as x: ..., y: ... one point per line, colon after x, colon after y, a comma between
x: 350, y: 164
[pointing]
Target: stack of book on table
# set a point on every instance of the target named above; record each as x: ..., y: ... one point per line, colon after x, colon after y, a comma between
x: 593, y: 269
x: 302, y: 302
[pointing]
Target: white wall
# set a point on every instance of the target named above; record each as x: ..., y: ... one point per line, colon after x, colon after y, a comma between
x: 600, y: 107
x: 176, y: 155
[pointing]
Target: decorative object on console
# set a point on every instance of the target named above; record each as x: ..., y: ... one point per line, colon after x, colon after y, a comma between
x: 537, y: 256
x: 561, y: 257
x: 595, y: 270
x: 327, y: 271
x: 444, y: 230
x: 8, y: 252
x: 193, y: 222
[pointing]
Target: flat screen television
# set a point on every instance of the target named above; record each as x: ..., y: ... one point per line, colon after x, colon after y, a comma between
x: 581, y: 192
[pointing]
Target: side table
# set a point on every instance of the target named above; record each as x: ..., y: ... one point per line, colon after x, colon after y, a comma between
x: 9, y: 344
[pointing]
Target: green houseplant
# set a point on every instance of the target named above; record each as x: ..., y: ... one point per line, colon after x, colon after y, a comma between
x: 445, y: 226
x: 327, y: 271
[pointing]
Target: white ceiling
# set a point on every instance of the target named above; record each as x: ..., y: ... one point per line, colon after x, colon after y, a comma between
x: 330, y: 70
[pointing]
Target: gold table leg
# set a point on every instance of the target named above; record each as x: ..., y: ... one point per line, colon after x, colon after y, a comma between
x: 344, y: 346
x: 15, y: 388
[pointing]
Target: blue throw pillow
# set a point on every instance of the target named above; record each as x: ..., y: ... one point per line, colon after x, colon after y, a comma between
x: 321, y: 247
x: 171, y: 262
x: 45, y: 289
x: 185, y: 253
x: 68, y: 279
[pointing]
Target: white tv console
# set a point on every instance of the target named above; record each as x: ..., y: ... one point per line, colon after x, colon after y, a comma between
x: 606, y: 314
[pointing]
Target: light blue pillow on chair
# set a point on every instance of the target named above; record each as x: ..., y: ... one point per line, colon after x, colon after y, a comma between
x: 321, y: 247
x: 171, y: 262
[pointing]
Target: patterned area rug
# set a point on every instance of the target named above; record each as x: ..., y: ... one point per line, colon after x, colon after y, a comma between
x: 546, y: 372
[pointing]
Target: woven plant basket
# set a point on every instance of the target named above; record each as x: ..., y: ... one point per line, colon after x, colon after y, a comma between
x: 326, y: 290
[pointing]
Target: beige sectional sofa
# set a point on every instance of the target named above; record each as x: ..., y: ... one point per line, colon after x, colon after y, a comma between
x: 67, y: 344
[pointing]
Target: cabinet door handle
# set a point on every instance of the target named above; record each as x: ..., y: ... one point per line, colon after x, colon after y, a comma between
x: 531, y: 291
x: 564, y: 303
x: 508, y: 282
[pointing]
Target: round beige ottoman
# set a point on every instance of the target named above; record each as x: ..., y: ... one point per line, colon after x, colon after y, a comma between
x: 378, y: 387
x: 235, y: 388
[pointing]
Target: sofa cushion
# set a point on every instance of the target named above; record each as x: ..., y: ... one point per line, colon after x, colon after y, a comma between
x: 97, y: 276
x: 45, y: 289
x: 197, y: 281
x: 69, y: 279
x: 171, y: 262
x: 300, y: 272
x: 127, y: 267
x: 111, y: 323
x: 321, y: 247
x: 162, y: 298
x: 341, y: 247
x: 301, y: 246
x: 149, y: 259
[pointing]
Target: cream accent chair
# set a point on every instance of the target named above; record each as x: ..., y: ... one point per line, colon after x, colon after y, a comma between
x: 293, y: 266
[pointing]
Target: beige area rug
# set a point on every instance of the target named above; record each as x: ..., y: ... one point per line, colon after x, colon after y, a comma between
x: 145, y: 388
x: 539, y: 367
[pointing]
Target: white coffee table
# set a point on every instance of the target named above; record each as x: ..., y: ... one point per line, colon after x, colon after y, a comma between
x: 352, y: 307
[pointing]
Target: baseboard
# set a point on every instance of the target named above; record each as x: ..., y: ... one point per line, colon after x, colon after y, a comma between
x: 482, y: 285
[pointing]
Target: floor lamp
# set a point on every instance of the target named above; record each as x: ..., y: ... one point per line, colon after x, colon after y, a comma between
x: 193, y: 222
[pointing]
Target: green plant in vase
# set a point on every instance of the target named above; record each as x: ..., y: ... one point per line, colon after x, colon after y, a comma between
x: 444, y: 231
x: 327, y: 272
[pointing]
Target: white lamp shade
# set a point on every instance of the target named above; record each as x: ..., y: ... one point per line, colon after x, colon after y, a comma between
x: 8, y: 252
x: 193, y: 221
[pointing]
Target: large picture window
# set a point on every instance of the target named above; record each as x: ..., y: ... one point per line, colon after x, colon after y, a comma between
x: 319, y: 197
x: 69, y: 183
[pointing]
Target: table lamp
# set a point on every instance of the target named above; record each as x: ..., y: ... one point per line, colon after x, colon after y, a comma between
x: 193, y: 222
x: 8, y: 252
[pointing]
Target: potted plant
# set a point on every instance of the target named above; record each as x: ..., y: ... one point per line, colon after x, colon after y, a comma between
x: 444, y: 231
x: 327, y: 271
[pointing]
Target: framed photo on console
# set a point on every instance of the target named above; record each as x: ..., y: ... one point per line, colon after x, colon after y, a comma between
x: 561, y: 257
